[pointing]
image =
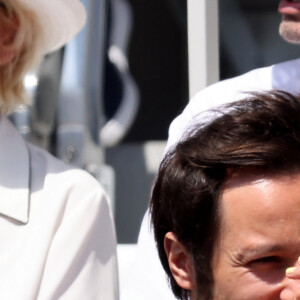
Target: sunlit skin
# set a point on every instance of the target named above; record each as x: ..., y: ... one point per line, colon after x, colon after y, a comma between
x: 290, y: 25
x: 259, y: 237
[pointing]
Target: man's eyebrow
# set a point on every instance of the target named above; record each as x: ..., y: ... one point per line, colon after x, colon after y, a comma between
x: 244, y: 254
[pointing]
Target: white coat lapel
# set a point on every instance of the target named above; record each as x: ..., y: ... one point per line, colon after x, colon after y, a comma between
x: 14, y: 173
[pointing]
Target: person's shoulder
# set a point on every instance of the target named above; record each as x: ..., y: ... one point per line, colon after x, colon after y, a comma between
x: 58, y: 183
x: 230, y: 90
x: 288, y: 64
x: 56, y: 172
x: 284, y: 76
x: 260, y: 78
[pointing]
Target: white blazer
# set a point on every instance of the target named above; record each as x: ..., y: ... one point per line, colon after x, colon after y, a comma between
x: 148, y: 279
x: 57, y: 237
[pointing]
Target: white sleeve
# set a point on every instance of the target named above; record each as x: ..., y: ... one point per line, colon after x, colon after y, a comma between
x: 179, y: 125
x: 81, y: 262
x: 197, y: 108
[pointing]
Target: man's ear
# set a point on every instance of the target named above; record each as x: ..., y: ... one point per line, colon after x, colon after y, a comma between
x: 8, y: 32
x: 180, y: 262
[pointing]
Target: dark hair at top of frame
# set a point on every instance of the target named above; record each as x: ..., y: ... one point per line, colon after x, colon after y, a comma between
x: 261, y: 132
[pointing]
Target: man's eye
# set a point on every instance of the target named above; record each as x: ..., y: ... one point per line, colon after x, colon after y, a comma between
x: 266, y: 260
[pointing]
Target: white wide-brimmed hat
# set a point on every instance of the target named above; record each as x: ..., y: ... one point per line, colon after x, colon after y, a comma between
x: 61, y: 20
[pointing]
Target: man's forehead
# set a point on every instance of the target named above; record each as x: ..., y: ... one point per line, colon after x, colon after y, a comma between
x: 259, y: 206
x: 238, y: 177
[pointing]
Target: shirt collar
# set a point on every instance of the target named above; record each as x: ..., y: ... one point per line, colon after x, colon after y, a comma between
x: 14, y: 173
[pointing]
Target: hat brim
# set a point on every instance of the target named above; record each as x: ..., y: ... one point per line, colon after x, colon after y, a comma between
x: 60, y: 20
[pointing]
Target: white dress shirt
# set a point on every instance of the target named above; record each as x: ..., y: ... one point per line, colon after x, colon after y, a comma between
x: 57, y: 237
x: 148, y: 279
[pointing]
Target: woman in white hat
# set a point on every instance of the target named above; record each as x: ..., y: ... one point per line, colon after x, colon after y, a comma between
x: 57, y: 237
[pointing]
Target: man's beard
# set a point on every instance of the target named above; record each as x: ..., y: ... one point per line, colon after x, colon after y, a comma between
x: 290, y: 31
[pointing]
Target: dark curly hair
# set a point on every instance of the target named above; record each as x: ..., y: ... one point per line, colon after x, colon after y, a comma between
x: 260, y: 132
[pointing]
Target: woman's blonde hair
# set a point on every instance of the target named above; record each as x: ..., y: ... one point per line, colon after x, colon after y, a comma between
x: 28, y: 45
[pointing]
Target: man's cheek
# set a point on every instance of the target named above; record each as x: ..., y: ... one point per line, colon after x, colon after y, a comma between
x: 246, y: 286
